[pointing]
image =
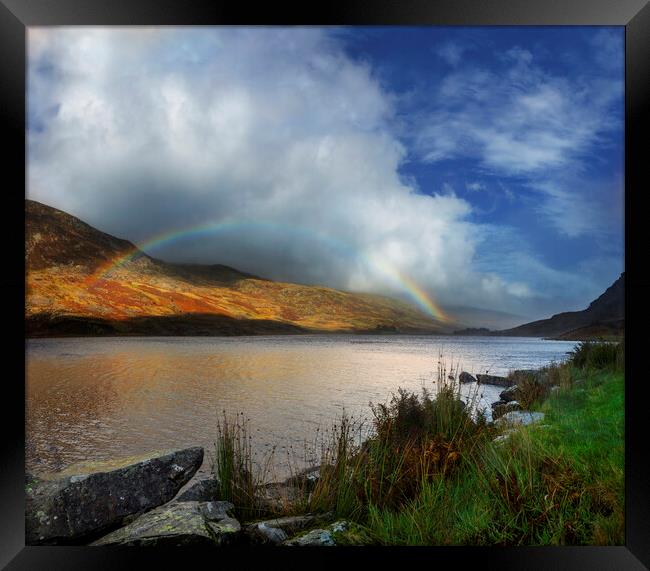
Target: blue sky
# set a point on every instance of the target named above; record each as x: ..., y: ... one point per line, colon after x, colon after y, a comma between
x: 485, y: 163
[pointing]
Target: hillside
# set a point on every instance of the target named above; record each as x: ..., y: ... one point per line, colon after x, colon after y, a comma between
x: 605, y: 317
x: 81, y: 281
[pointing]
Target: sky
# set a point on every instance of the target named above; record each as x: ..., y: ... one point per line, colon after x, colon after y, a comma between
x: 484, y: 164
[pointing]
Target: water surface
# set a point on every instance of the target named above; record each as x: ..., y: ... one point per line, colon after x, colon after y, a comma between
x: 100, y: 398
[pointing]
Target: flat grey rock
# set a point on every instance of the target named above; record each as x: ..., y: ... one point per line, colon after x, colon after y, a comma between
x: 87, y: 500
x: 275, y: 531
x: 520, y: 417
x: 204, y: 489
x: 178, y: 524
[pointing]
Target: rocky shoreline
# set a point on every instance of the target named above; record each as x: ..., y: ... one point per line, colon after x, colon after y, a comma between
x: 139, y: 504
x: 154, y: 500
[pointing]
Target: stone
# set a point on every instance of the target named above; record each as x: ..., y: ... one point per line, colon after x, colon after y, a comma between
x: 178, y: 524
x: 89, y: 500
x: 203, y: 489
x: 509, y: 394
x: 465, y: 377
x: 275, y: 531
x: 273, y: 497
x: 307, y: 479
x: 319, y: 537
x: 499, y: 408
x: 520, y: 417
x: 494, y: 380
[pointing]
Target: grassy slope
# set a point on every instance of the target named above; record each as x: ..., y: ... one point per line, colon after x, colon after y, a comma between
x: 558, y: 484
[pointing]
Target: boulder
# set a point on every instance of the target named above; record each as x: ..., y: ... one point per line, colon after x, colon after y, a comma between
x: 319, y: 537
x: 204, y: 489
x: 520, y: 417
x: 178, y: 524
x: 89, y: 500
x: 495, y: 380
x: 500, y: 408
x: 275, y: 531
x: 465, y: 377
x: 509, y: 394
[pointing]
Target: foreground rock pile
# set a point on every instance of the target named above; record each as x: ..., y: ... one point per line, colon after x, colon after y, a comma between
x: 136, y: 502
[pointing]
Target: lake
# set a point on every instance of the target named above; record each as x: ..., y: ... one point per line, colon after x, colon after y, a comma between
x: 100, y: 398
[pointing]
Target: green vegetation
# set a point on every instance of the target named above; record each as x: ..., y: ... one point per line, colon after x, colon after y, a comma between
x: 435, y: 472
x: 233, y: 466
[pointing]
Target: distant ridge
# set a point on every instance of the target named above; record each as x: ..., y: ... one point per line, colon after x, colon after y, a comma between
x: 605, y: 317
x: 82, y: 281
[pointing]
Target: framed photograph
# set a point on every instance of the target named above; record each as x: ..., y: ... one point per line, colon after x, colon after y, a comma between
x: 361, y: 286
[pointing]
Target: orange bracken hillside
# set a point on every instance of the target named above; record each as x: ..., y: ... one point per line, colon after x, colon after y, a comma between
x: 69, y: 292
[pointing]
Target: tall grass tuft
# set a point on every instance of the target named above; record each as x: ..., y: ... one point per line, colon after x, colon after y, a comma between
x: 237, y: 478
x: 414, y: 440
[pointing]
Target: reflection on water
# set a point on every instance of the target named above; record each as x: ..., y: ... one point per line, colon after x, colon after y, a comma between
x: 99, y: 398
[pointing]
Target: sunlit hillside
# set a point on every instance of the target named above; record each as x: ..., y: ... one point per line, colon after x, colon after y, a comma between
x: 81, y: 280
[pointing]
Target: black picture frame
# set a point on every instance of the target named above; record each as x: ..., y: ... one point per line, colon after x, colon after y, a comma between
x: 17, y: 15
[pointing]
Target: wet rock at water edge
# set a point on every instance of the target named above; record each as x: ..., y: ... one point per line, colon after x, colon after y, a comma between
x: 500, y: 408
x: 178, y: 524
x: 509, y: 394
x: 465, y: 377
x: 494, y: 380
x: 87, y: 500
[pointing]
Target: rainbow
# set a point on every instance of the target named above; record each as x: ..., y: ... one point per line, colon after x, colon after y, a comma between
x: 421, y: 298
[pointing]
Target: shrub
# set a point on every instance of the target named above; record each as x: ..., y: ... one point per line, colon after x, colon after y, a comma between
x: 530, y: 389
x: 598, y: 355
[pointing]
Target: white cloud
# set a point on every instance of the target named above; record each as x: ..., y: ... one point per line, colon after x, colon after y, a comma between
x: 274, y: 128
x: 144, y: 131
x: 474, y: 186
x: 523, y: 122
x: 451, y: 52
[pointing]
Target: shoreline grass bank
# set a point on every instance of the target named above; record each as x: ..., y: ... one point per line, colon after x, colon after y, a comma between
x: 435, y: 471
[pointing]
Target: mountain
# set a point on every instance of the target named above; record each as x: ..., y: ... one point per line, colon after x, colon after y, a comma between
x: 474, y: 318
x: 605, y: 317
x: 81, y: 281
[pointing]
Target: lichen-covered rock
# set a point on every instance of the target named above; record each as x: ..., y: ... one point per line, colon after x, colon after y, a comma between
x: 88, y: 500
x: 319, y: 537
x: 465, y: 377
x: 520, y: 417
x: 313, y: 538
x: 178, y: 524
x: 495, y: 380
x: 275, y: 531
x: 205, y: 489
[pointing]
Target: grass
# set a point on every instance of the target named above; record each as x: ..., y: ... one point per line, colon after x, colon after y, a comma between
x: 431, y: 472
